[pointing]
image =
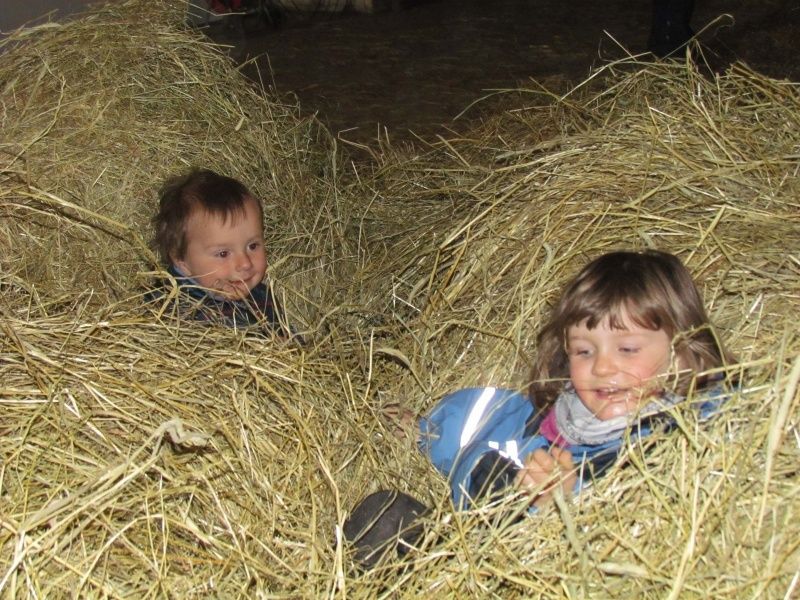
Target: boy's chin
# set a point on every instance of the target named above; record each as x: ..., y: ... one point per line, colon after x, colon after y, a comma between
x: 237, y: 293
x: 231, y: 291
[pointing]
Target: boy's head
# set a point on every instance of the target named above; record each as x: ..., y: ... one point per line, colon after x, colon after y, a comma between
x: 211, y: 228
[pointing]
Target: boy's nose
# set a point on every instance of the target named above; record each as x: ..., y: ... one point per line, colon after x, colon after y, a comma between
x: 244, y: 263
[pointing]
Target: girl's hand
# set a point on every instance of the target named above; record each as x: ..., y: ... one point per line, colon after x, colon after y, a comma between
x: 400, y: 420
x: 541, y: 468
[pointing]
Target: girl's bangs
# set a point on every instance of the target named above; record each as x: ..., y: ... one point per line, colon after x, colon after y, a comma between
x: 619, y: 312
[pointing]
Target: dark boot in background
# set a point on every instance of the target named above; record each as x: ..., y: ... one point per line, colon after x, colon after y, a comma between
x: 670, y: 30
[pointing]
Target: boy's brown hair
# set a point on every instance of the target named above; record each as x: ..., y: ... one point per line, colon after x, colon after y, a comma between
x: 654, y: 289
x: 203, y: 189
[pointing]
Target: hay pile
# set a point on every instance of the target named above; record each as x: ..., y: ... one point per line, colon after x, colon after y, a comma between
x: 146, y: 458
x: 655, y: 156
x: 99, y: 111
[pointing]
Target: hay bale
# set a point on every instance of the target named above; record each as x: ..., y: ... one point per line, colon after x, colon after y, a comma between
x: 660, y: 158
x: 97, y: 112
x: 140, y: 459
x: 124, y: 436
x: 656, y: 156
x: 152, y: 458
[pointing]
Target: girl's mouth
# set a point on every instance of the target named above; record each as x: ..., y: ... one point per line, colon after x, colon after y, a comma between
x: 613, y: 394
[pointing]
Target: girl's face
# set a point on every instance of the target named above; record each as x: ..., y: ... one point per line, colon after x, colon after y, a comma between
x: 226, y: 257
x: 614, y: 371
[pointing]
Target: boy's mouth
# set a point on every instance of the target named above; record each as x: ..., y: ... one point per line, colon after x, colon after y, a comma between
x: 236, y: 289
x: 239, y: 287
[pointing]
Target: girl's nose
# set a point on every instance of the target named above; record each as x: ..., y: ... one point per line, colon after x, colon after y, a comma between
x: 604, y: 364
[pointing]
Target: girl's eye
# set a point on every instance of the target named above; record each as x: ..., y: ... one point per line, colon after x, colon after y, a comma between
x: 629, y: 350
x: 580, y: 352
x: 254, y: 245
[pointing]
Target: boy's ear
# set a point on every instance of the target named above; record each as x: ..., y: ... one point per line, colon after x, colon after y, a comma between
x: 181, y: 264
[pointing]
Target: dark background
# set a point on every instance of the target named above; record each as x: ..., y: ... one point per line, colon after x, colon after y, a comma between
x: 416, y: 69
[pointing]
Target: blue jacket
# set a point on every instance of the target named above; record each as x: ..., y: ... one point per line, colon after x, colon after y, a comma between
x: 470, y: 425
x: 196, y: 303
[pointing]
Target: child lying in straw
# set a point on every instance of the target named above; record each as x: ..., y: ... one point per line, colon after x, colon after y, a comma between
x: 209, y: 230
x: 625, y: 342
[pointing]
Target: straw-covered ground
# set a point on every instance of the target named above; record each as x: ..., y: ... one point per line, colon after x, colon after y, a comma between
x: 143, y: 457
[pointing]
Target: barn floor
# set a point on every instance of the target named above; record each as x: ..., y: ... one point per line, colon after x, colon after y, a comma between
x: 416, y: 69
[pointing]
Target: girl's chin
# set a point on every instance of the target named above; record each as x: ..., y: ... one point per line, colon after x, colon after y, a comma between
x: 607, y: 407
x: 615, y: 410
x: 620, y: 406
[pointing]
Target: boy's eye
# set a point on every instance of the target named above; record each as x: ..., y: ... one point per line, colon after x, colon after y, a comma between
x: 223, y: 253
x: 254, y: 245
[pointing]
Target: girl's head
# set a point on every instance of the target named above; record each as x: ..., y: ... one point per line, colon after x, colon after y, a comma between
x: 619, y: 308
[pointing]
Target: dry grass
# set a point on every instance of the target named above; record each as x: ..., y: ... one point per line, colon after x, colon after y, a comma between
x: 145, y: 458
x: 99, y: 111
x: 651, y: 156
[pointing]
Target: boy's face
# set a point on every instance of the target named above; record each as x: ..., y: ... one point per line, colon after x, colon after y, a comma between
x: 614, y: 371
x: 225, y: 256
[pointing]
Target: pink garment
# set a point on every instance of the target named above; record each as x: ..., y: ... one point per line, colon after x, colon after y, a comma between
x: 549, y: 429
x: 225, y: 6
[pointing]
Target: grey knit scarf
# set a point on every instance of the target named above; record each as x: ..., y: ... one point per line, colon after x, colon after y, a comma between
x: 579, y: 426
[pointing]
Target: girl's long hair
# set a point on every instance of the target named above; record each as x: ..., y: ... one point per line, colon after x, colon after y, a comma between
x: 655, y: 290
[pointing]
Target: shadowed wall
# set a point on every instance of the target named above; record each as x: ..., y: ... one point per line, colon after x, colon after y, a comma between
x: 14, y: 14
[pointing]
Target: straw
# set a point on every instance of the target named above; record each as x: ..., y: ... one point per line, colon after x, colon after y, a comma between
x: 145, y: 456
